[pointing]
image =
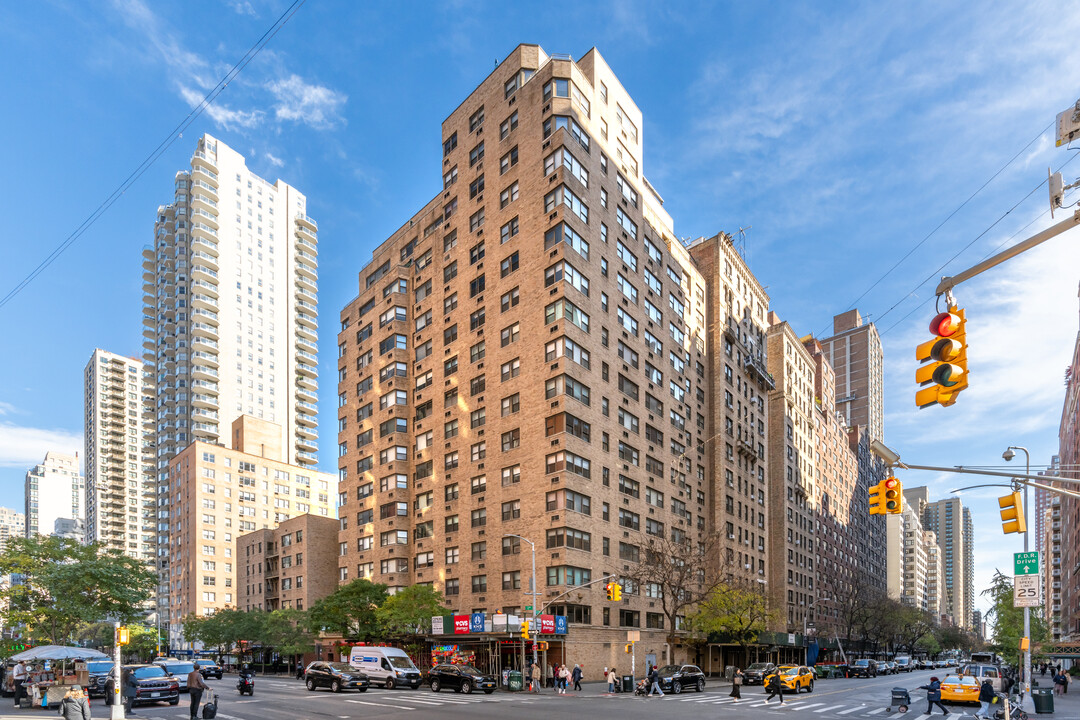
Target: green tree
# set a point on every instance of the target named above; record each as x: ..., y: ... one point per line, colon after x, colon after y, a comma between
x: 928, y: 644
x: 738, y: 610
x: 286, y: 631
x: 226, y: 629
x: 1009, y: 620
x: 349, y: 610
x: 68, y: 584
x: 409, y: 612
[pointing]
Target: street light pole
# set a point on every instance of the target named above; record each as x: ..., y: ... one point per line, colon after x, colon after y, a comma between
x: 1026, y: 686
x: 532, y: 593
x: 806, y: 616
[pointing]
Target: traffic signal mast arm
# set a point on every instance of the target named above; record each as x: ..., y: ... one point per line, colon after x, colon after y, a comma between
x: 948, y: 283
x: 1019, y: 477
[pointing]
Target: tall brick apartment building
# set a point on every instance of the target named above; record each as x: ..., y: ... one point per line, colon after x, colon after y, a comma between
x: 535, y: 353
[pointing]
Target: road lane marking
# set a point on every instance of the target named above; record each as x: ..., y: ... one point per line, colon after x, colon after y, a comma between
x: 365, y: 702
x: 848, y: 712
x: 881, y: 710
x: 829, y: 709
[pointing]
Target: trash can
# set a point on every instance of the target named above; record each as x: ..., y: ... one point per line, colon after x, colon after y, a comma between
x: 628, y: 683
x: 514, y: 680
x: 1044, y: 700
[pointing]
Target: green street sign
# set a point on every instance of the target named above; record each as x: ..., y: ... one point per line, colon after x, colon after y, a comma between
x: 528, y: 608
x: 1026, y: 563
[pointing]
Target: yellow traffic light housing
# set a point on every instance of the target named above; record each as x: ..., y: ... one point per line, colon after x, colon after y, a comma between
x: 525, y: 628
x: 945, y: 372
x: 122, y: 636
x: 1025, y: 644
x: 877, y: 499
x: 892, y: 491
x: 1012, y: 513
x: 629, y: 648
x: 610, y: 591
x: 614, y: 592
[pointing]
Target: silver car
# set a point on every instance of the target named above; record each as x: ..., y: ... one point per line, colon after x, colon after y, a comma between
x: 179, y: 670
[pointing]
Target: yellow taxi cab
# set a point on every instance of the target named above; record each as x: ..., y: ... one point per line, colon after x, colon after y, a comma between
x: 960, y: 688
x: 796, y: 678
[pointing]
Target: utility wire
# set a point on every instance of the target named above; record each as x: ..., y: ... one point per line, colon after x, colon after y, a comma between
x: 934, y: 274
x: 157, y: 152
x: 948, y: 217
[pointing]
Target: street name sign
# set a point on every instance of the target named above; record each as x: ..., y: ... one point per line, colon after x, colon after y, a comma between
x: 1026, y: 591
x: 1026, y: 563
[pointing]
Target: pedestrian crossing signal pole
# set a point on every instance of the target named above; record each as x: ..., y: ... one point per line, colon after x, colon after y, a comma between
x: 117, y: 711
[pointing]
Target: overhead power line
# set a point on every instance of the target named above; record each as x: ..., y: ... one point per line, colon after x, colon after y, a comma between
x: 157, y: 152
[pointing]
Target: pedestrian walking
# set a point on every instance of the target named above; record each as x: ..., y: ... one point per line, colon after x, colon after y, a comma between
x: 933, y: 696
x: 736, y: 685
x: 131, y: 691
x: 18, y: 677
x: 564, y: 678
x: 775, y: 688
x: 74, y: 706
x: 535, y: 672
x: 654, y: 682
x: 196, y: 685
x: 1068, y: 679
x: 986, y: 697
x: 551, y: 674
x: 612, y: 678
x: 1059, y: 684
x: 576, y: 676
x: 1043, y: 670
x: 299, y: 669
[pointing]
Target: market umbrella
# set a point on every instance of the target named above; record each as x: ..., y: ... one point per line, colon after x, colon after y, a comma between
x: 60, y: 652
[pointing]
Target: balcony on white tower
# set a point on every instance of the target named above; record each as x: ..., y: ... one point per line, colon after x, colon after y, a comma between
x: 307, y: 364
x: 307, y: 426
x: 306, y: 221
x: 304, y: 283
x: 303, y: 269
x: 202, y: 162
x: 307, y: 319
x: 205, y: 218
x: 205, y: 302
x: 306, y: 458
x: 204, y: 430
x: 202, y: 202
x: 307, y: 382
x: 205, y: 316
x: 306, y: 298
x: 201, y: 329
x: 209, y: 288
x: 308, y: 333
x: 200, y: 259
x: 307, y: 444
x: 202, y: 372
x: 305, y: 344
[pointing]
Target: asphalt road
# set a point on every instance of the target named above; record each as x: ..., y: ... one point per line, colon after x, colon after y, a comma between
x: 279, y: 698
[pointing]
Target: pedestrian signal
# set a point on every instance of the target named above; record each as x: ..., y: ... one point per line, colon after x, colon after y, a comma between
x: 122, y: 636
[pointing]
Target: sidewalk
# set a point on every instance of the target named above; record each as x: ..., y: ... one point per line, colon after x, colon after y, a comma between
x: 1065, y: 706
x: 594, y: 689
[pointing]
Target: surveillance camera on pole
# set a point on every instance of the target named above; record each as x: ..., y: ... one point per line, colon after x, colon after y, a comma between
x: 1068, y: 125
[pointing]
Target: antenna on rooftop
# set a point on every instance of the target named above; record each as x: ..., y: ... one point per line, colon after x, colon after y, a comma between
x: 740, y: 244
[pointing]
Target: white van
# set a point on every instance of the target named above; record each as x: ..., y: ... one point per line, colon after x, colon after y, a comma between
x: 386, y: 666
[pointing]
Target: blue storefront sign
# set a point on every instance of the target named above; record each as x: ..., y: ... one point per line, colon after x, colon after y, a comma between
x: 476, y: 623
x: 560, y: 624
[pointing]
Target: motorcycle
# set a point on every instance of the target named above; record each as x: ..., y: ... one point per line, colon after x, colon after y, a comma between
x: 246, y: 685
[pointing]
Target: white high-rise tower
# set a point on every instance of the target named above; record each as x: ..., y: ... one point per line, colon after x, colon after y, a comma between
x: 231, y: 316
x: 121, y: 483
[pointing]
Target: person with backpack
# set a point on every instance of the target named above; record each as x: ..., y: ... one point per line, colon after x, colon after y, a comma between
x: 774, y: 687
x: 74, y: 706
x: 933, y: 696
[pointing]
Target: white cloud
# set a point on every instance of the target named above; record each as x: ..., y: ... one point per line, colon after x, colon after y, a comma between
x: 274, y: 160
x: 299, y: 101
x: 223, y: 116
x: 242, y: 7
x: 24, y: 447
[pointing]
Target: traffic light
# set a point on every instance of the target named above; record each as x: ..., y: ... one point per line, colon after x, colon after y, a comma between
x: 945, y: 371
x: 122, y: 636
x: 610, y: 590
x: 892, y: 490
x: 614, y: 591
x: 1012, y: 513
x: 542, y: 646
x: 524, y: 628
x: 629, y: 648
x: 877, y: 499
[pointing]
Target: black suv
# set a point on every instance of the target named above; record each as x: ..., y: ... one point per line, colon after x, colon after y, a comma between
x: 756, y: 673
x: 337, y: 676
x: 154, y: 685
x: 863, y: 668
x: 209, y: 669
x: 676, y: 678
x: 99, y: 673
x: 462, y: 678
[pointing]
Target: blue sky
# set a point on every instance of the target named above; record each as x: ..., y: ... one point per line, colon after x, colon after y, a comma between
x: 843, y: 133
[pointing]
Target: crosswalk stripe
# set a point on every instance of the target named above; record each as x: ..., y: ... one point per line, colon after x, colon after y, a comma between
x: 881, y: 710
x: 829, y: 709
x: 365, y: 702
x: 848, y: 712
x: 803, y: 706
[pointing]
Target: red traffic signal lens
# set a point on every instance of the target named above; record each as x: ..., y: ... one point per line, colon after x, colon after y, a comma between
x: 945, y: 324
x: 891, y: 483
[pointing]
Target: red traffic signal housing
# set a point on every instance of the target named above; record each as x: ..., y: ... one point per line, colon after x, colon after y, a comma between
x: 944, y: 372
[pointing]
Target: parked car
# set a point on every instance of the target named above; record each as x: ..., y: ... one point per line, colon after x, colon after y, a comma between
x: 99, y: 673
x: 460, y: 678
x: 756, y: 673
x: 676, y: 678
x: 941, y: 663
x: 864, y: 667
x: 960, y: 688
x: 925, y: 664
x: 178, y: 669
x: 890, y: 667
x: 337, y: 676
x: 209, y: 669
x: 154, y: 685
x: 796, y: 678
x: 904, y: 663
